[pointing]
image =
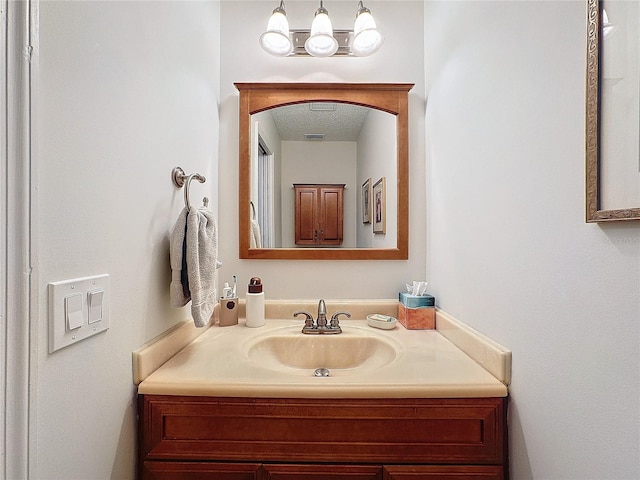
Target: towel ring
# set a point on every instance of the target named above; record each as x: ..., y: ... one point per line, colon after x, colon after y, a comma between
x: 253, y: 210
x: 180, y: 179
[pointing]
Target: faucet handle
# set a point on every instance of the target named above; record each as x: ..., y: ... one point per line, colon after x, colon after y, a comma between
x: 308, y: 321
x: 335, y: 323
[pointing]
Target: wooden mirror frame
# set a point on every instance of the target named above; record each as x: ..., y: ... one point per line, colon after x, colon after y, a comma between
x: 594, y: 211
x: 388, y: 97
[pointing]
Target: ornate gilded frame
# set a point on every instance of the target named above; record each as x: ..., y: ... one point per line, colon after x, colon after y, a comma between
x: 594, y: 213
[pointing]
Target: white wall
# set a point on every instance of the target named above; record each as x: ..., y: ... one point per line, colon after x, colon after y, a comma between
x: 377, y: 143
x: 318, y: 162
x: 401, y: 59
x: 508, y: 249
x: 123, y: 92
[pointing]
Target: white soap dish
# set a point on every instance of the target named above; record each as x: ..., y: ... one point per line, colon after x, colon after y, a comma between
x: 384, y: 322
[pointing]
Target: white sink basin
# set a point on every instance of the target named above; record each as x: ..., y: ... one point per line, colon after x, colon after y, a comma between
x: 354, y: 349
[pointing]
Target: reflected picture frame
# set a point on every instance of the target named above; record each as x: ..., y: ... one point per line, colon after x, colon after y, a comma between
x: 379, y: 206
x: 366, y: 201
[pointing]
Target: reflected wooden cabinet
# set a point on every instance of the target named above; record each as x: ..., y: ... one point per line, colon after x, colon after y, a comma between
x: 217, y: 438
x: 319, y: 214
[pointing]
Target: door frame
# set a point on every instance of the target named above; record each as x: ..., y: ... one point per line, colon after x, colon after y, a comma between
x: 15, y: 235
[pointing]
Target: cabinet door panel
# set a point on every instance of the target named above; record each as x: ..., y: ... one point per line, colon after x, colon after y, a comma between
x: 306, y: 216
x: 322, y: 472
x: 331, y: 216
x: 443, y: 472
x: 199, y: 471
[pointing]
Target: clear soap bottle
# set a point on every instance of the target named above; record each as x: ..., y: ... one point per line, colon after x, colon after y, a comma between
x: 255, y: 303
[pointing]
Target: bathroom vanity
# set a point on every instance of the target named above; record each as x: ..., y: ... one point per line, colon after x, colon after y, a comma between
x: 239, y: 403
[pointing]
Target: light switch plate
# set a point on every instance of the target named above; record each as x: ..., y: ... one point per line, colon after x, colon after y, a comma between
x: 59, y: 334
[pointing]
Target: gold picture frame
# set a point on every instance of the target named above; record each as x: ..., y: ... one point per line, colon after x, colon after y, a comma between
x: 366, y: 201
x: 379, y: 206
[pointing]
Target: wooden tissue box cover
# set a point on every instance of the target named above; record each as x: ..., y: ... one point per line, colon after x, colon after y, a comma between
x: 421, y: 318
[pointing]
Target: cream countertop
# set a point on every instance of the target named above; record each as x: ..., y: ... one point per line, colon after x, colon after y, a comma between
x: 428, y: 365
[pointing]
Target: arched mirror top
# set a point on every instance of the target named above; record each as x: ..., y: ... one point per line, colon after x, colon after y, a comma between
x: 391, y: 98
x: 382, y: 96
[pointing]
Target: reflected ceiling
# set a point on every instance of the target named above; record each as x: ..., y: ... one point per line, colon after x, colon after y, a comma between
x: 339, y: 122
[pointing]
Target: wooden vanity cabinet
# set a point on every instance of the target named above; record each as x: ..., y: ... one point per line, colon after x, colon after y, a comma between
x: 200, y: 471
x: 440, y: 472
x: 319, y: 214
x: 321, y: 472
x: 217, y: 438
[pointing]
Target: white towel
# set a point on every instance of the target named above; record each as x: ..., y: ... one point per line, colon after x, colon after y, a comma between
x: 255, y: 240
x: 201, y: 258
x: 179, y: 290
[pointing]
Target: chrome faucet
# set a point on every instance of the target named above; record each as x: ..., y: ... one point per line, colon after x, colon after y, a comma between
x: 320, y: 326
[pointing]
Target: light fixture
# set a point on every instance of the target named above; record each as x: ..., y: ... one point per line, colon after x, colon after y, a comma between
x: 367, y: 39
x: 322, y: 40
x: 276, y: 39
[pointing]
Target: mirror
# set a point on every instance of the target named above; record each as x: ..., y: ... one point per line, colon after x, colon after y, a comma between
x: 613, y: 111
x: 365, y: 128
x: 326, y: 143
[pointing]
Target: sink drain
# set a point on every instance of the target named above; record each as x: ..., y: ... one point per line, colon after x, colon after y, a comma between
x: 321, y: 372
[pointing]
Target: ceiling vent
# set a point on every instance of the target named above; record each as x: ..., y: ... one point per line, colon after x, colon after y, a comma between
x: 322, y: 107
x: 314, y: 136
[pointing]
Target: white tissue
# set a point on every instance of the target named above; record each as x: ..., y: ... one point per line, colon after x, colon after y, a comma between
x: 417, y: 288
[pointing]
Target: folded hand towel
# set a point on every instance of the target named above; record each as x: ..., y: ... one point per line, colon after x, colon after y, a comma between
x: 201, y: 255
x: 179, y: 290
x: 255, y: 240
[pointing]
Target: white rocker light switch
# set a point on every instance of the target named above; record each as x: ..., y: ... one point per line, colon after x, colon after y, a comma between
x: 95, y: 305
x: 73, y: 311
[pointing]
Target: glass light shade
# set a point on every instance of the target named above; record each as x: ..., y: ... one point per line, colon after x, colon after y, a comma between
x: 366, y: 37
x: 321, y: 42
x: 276, y: 39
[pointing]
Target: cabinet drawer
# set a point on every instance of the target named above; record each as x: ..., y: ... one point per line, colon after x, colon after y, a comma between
x: 442, y: 472
x: 322, y: 472
x: 200, y: 471
x: 371, y: 431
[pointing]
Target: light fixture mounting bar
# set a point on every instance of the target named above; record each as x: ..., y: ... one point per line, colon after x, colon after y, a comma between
x: 343, y: 37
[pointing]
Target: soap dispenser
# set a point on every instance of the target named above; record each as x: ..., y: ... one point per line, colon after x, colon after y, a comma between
x: 255, y: 303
